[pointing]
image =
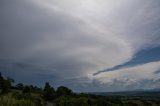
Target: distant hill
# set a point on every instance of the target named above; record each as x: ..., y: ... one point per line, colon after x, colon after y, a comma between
x: 154, y: 93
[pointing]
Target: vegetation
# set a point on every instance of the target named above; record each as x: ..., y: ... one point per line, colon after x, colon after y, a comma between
x: 29, y: 95
x: 48, y: 92
x: 63, y: 91
x: 5, y: 85
x: 9, y: 101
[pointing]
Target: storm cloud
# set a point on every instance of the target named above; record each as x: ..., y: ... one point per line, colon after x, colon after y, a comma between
x: 64, y: 40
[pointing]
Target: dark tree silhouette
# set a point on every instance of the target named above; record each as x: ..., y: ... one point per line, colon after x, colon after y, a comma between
x: 49, y: 92
x: 63, y: 91
x: 1, y: 77
x: 47, y: 86
x: 26, y: 89
x: 5, y: 86
x: 19, y: 86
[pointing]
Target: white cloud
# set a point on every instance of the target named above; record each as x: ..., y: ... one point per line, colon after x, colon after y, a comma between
x: 138, y: 77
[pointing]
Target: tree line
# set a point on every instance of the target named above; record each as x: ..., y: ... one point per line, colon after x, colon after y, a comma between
x: 29, y: 95
x: 48, y: 93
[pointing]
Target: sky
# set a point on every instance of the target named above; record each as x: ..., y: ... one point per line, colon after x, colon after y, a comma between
x: 86, y: 45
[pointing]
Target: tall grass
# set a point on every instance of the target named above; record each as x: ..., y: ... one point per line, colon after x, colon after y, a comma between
x: 9, y: 101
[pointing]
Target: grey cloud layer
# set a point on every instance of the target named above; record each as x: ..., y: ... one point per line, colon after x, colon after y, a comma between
x: 75, y: 39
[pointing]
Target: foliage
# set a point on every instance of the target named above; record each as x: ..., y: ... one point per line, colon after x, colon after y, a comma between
x: 29, y: 95
x: 70, y: 101
x: 19, y: 96
x: 1, y: 77
x: 105, y: 101
x: 9, y: 101
x: 26, y: 89
x: 5, y: 85
x: 49, y: 92
x: 63, y: 91
x: 19, y: 86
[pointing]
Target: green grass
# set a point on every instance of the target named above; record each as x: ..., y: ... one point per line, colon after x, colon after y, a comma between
x: 10, y: 101
x: 17, y: 98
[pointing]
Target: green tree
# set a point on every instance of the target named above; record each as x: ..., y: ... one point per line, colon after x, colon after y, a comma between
x: 63, y: 91
x: 5, y: 86
x: 1, y: 77
x: 19, y: 86
x: 26, y: 89
x: 47, y: 86
x: 48, y: 92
